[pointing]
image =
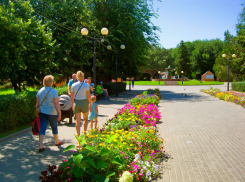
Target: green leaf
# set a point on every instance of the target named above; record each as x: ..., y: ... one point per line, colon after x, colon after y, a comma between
x: 110, y: 173
x: 91, y: 162
x: 77, y: 158
x: 102, y: 164
x: 80, y: 138
x: 117, y: 160
x: 78, y: 171
x: 69, y: 148
x: 90, y: 148
x: 100, y: 178
x: 104, y: 151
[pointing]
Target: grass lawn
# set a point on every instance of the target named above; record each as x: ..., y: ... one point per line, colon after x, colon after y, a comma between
x: 146, y: 82
x: 196, y: 82
x: 9, y: 91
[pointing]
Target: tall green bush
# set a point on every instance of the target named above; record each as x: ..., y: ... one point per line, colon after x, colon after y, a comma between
x: 18, y: 109
x: 111, y: 87
x: 238, y: 86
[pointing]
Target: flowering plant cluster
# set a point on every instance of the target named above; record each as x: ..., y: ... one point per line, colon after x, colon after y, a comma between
x: 126, y: 149
x: 236, y: 97
x: 147, y: 97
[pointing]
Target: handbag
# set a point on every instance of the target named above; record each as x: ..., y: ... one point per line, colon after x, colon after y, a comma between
x: 37, y: 109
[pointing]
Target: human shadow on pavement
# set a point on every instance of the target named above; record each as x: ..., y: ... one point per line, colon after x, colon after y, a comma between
x: 21, y: 161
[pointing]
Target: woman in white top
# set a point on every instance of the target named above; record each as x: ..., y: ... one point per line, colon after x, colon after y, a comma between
x: 80, y: 100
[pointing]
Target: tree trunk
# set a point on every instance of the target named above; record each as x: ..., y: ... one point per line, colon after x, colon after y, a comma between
x: 16, y: 87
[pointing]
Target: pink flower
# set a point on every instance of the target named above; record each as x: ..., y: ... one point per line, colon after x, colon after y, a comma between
x: 140, y: 174
x: 69, y: 179
x: 65, y: 160
x: 68, y: 167
x: 120, y: 175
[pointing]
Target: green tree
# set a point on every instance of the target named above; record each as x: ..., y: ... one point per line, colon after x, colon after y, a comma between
x: 26, y: 45
x: 154, y: 61
x: 183, y: 59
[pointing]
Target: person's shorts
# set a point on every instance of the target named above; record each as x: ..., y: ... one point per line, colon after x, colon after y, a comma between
x: 80, y: 106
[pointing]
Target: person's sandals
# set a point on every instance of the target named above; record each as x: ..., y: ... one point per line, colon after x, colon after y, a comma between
x: 59, y: 143
x: 41, y: 149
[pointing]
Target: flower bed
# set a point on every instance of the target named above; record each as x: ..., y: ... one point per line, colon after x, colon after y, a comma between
x: 126, y: 149
x: 231, y: 96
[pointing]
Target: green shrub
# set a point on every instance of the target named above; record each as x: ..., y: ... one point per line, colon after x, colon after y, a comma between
x: 111, y: 87
x: 6, y: 85
x: 238, y: 86
x: 17, y: 110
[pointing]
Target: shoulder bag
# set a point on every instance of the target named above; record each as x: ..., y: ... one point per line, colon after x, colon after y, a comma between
x: 37, y: 110
x: 77, y: 91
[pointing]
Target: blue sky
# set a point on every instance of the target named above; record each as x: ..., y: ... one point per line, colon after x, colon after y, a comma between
x: 190, y: 20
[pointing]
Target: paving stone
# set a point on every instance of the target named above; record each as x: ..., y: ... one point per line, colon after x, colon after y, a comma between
x: 204, y: 135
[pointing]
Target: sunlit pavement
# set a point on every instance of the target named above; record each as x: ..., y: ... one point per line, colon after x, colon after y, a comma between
x: 204, y: 138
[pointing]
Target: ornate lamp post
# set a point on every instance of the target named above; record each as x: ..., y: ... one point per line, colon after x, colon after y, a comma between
x: 104, y: 32
x: 182, y: 76
x: 224, y: 56
x: 122, y: 47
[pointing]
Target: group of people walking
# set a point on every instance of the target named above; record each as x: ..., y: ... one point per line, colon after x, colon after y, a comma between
x: 81, y: 100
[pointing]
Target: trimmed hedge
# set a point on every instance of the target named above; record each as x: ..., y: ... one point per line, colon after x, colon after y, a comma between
x: 18, y: 110
x: 238, y: 86
x: 111, y: 87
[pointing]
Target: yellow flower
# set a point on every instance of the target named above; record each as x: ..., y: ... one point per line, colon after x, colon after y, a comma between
x: 112, y: 132
x: 97, y: 135
x: 131, y: 145
x: 112, y: 145
x: 86, y: 143
x: 124, y: 143
x: 90, y: 142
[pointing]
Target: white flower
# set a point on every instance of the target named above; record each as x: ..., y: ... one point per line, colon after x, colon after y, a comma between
x: 147, y: 164
x: 149, y: 178
x: 144, y: 167
x: 148, y: 173
x: 155, y: 167
x: 141, y: 162
x: 142, y: 171
x: 126, y: 177
x: 137, y: 156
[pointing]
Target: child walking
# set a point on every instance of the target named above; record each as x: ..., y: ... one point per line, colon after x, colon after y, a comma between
x: 94, y: 114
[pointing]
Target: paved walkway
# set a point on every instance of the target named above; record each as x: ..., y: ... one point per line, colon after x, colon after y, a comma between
x: 19, y: 156
x: 204, y: 136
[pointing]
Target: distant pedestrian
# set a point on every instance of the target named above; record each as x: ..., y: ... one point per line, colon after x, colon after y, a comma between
x: 91, y: 85
x: 71, y: 81
x: 49, y: 110
x: 132, y: 82
x: 94, y: 114
x: 80, y: 100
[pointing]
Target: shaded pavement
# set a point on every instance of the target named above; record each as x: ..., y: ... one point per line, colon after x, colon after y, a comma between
x: 204, y: 138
